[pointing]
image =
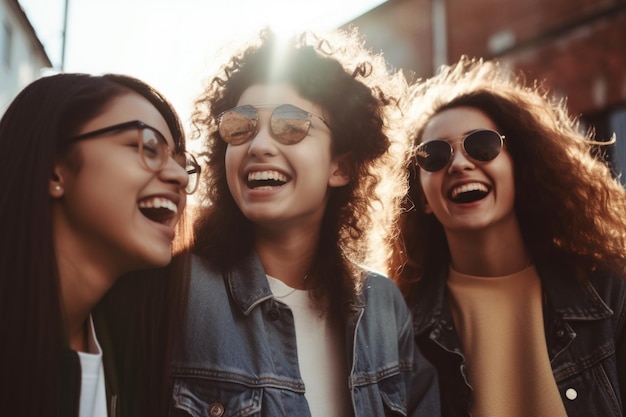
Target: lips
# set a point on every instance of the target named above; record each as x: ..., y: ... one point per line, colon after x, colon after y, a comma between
x: 266, y: 179
x: 468, y: 193
x: 159, y: 209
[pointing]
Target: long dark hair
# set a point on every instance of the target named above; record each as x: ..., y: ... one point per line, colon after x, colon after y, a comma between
x: 33, y: 131
x: 358, y: 94
x: 567, y: 203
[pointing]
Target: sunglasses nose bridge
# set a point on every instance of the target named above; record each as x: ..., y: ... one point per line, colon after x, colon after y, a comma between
x: 263, y: 141
x: 459, y: 156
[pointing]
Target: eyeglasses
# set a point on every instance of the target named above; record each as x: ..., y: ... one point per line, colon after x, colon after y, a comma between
x: 154, y: 151
x: 481, y: 145
x: 289, y: 124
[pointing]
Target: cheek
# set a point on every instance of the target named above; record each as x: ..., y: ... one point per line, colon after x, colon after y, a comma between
x: 429, y: 184
x: 230, y: 162
x: 428, y: 190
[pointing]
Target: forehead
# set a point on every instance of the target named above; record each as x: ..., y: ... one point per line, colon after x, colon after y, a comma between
x: 455, y: 122
x: 276, y: 93
x: 125, y: 108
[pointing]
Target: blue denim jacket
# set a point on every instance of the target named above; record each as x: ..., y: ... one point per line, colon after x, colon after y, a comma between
x: 240, y: 359
x: 585, y: 336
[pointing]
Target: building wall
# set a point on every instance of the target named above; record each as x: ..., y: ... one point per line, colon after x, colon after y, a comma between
x: 576, y: 47
x: 21, y: 54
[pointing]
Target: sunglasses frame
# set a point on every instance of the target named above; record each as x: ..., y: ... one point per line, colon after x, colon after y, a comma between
x: 255, y: 120
x: 451, y: 148
x: 191, y: 164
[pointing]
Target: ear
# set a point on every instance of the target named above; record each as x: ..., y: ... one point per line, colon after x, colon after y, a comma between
x: 55, y: 185
x: 338, y: 176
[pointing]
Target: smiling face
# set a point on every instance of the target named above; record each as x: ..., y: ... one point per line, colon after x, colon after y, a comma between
x: 467, y: 195
x: 107, y: 205
x: 280, y: 185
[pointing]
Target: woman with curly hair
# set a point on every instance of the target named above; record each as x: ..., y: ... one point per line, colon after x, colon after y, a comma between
x: 282, y: 319
x: 512, y: 250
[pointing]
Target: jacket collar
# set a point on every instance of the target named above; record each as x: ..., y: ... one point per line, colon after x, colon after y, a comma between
x: 429, y: 300
x: 249, y: 287
x: 248, y: 284
x: 568, y: 299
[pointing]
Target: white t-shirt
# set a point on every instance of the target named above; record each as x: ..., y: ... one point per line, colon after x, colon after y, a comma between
x: 321, y: 354
x: 93, y: 402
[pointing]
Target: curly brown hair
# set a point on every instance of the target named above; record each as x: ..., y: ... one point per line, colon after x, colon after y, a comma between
x: 568, y: 204
x: 360, y: 99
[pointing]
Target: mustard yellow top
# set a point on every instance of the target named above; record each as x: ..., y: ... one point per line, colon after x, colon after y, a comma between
x: 500, y: 323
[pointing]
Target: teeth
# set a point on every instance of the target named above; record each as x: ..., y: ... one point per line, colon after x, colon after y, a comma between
x: 465, y: 188
x: 159, y: 202
x: 267, y: 175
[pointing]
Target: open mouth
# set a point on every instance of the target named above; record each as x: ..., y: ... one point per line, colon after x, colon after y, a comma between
x: 468, y: 193
x: 266, y: 179
x: 158, y: 209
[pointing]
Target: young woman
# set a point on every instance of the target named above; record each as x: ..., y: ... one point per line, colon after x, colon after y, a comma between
x: 281, y: 319
x: 94, y: 181
x: 513, y: 252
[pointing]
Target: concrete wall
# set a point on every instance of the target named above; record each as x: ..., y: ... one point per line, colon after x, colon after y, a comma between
x: 21, y: 54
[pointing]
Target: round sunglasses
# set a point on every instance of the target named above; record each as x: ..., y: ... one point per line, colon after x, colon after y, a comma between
x: 154, y: 150
x: 289, y: 124
x: 482, y: 145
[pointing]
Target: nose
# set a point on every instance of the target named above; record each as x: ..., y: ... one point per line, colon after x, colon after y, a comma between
x: 262, y: 144
x: 173, y: 173
x: 459, y: 161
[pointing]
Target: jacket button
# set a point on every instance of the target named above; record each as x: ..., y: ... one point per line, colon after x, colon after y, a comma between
x: 273, y: 314
x: 560, y: 333
x: 571, y: 394
x: 216, y: 410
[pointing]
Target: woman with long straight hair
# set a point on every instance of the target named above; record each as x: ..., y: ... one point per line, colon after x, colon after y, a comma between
x: 94, y: 183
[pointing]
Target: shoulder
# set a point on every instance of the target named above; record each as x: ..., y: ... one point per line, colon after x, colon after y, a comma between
x: 205, y: 277
x: 611, y: 287
x: 378, y: 289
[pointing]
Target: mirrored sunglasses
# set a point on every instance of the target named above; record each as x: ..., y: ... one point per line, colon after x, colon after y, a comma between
x: 289, y: 124
x: 153, y: 149
x: 481, y: 145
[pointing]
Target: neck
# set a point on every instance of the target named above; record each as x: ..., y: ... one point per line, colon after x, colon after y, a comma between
x: 82, y: 286
x: 287, y: 257
x: 488, y: 254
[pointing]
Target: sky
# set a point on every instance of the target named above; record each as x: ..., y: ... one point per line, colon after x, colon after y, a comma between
x: 174, y: 45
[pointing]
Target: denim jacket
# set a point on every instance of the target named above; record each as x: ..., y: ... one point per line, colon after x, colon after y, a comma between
x: 240, y: 359
x: 585, y: 337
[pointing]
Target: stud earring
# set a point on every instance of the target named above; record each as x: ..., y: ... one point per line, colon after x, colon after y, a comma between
x: 57, y: 188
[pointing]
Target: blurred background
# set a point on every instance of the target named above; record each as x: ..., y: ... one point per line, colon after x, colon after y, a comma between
x: 576, y: 47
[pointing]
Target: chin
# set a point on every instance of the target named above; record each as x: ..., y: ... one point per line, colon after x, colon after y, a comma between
x: 157, y: 259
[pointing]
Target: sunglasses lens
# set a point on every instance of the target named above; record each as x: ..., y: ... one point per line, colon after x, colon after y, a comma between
x: 154, y: 151
x: 483, y: 145
x: 290, y: 124
x: 433, y: 155
x: 238, y: 125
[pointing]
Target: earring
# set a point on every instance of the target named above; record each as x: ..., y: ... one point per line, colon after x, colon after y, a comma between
x: 57, y: 188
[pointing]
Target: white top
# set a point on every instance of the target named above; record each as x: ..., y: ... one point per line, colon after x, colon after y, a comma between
x: 320, y: 353
x: 93, y: 401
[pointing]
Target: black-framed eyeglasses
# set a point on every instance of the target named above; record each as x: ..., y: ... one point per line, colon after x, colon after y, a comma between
x: 482, y: 145
x: 289, y: 124
x: 154, y: 150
